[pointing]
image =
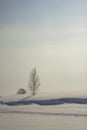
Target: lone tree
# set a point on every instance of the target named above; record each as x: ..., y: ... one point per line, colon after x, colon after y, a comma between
x: 34, y: 82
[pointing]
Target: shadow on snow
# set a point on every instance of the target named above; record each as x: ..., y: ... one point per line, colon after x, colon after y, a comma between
x: 47, y: 101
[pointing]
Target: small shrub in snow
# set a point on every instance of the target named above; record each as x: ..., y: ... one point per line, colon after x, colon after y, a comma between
x: 21, y: 91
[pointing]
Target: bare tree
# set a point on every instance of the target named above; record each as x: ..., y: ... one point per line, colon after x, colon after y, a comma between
x: 34, y: 82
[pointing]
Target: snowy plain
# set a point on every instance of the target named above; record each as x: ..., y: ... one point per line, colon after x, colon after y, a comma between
x: 65, y: 116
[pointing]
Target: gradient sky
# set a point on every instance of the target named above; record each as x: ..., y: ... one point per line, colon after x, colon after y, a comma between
x: 50, y: 35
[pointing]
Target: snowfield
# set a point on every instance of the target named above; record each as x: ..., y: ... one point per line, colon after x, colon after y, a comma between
x: 66, y: 116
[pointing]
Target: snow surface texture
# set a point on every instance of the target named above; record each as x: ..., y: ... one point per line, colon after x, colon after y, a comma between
x: 65, y: 116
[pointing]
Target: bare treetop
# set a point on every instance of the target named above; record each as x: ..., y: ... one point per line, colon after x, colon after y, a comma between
x: 34, y: 82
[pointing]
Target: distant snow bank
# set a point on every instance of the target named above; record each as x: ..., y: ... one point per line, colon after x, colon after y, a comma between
x: 39, y: 100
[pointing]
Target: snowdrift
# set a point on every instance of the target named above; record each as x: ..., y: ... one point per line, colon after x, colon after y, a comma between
x: 28, y: 100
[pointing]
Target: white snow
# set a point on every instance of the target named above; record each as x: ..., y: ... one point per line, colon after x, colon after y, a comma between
x: 37, y: 117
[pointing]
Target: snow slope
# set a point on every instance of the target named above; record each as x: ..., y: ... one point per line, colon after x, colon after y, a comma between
x: 40, y: 100
x: 66, y: 116
x: 36, y: 117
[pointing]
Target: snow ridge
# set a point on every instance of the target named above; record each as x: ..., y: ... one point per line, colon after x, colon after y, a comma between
x: 43, y: 101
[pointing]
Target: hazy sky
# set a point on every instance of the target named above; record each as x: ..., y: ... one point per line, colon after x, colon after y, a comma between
x: 50, y: 35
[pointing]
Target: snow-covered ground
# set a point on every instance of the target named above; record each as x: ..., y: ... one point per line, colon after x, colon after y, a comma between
x: 42, y: 117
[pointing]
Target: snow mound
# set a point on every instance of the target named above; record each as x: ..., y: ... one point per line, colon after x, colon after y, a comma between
x: 39, y: 100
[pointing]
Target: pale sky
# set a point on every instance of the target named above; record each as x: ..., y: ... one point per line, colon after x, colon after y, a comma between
x: 50, y: 35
